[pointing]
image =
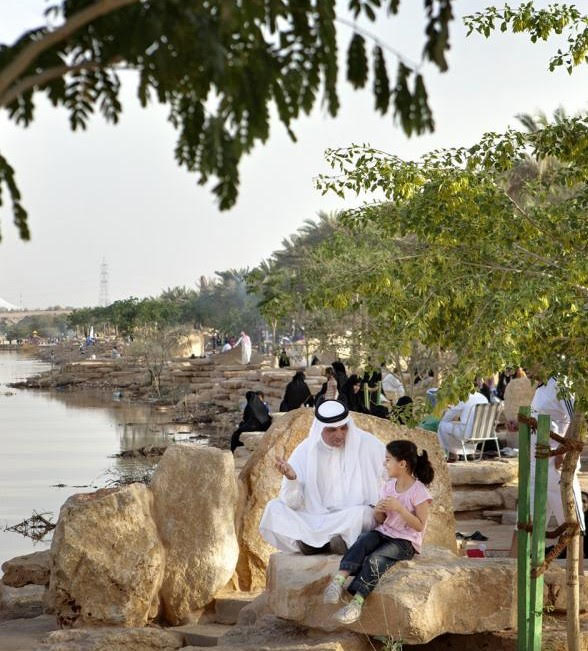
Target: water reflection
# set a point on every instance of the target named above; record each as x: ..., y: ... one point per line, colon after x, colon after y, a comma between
x: 55, y: 444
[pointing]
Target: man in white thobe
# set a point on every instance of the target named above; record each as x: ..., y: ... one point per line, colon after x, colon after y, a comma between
x: 456, y: 425
x: 331, y: 482
x: 560, y: 410
x: 245, y: 342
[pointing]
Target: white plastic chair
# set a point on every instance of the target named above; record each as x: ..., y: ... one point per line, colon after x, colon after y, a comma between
x: 483, y: 428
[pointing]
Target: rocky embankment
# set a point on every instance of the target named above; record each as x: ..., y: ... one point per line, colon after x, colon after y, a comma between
x: 203, y: 392
x: 179, y: 564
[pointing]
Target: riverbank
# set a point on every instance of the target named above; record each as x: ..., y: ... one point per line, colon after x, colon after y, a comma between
x: 197, y: 392
x: 57, y: 443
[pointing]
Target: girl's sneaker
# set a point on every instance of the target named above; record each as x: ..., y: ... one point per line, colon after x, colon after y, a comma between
x: 349, y: 614
x: 332, y: 593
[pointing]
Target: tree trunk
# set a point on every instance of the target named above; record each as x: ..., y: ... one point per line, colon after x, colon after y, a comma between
x: 573, y: 550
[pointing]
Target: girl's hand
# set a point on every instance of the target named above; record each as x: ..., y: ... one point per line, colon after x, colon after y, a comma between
x: 284, y: 468
x: 389, y: 504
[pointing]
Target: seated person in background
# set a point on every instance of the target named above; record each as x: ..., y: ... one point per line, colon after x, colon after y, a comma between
x: 329, y: 482
x: 297, y: 393
x: 488, y: 390
x: 456, y: 425
x: 226, y: 347
x: 329, y: 390
x: 283, y: 359
x: 352, y: 395
x: 504, y: 377
x: 255, y: 419
x: 340, y: 373
x: 402, y: 412
x: 391, y: 386
x: 261, y: 396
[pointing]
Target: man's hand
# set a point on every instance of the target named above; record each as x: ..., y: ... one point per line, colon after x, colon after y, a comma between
x: 389, y: 504
x: 284, y: 468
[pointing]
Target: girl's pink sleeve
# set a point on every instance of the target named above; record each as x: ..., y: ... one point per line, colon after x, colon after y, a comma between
x: 422, y: 495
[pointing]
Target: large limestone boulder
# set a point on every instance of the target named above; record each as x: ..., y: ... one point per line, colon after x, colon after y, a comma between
x: 28, y: 569
x: 107, y: 559
x: 414, y: 601
x: 110, y: 639
x: 195, y: 493
x: 260, y: 482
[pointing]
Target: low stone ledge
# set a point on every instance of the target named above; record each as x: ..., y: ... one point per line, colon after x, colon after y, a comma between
x: 476, y: 499
x: 30, y: 569
x: 21, y: 603
x: 107, y: 639
x: 483, y: 472
x: 414, y: 602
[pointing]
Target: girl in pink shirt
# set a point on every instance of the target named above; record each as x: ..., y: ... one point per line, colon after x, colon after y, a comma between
x: 401, y: 515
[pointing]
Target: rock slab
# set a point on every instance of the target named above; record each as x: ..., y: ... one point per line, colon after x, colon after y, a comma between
x: 30, y: 569
x: 483, y: 472
x: 259, y: 482
x: 111, y: 639
x: 21, y: 603
x: 195, y: 491
x: 107, y: 559
x: 415, y: 601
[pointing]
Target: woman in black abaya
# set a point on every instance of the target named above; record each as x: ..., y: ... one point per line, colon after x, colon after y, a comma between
x: 255, y: 419
x: 297, y: 393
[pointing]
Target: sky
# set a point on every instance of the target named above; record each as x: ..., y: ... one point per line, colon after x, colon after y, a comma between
x: 115, y: 193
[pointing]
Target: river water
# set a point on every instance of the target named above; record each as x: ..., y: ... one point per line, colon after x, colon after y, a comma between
x: 49, y: 438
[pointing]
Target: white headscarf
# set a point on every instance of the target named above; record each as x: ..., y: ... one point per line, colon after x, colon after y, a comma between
x: 362, y: 463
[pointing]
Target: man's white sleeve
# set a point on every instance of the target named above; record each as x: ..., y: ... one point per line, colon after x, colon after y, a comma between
x: 292, y: 493
x: 453, y: 412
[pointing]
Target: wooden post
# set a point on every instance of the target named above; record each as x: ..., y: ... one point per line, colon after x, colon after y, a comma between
x: 573, y: 550
x: 538, y: 538
x: 523, y: 537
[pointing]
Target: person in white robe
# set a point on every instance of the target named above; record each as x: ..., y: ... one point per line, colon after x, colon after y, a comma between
x: 331, y: 482
x: 456, y: 425
x: 560, y: 410
x: 245, y: 342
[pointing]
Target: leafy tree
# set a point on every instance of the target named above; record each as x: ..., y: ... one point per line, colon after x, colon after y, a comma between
x: 224, y: 304
x: 324, y: 278
x: 557, y: 18
x: 218, y: 66
x: 43, y: 325
x: 157, y: 346
x: 492, y: 277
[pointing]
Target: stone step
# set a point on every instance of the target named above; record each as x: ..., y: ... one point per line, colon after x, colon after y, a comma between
x: 476, y: 499
x: 206, y: 635
x: 227, y: 609
x: 483, y: 472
